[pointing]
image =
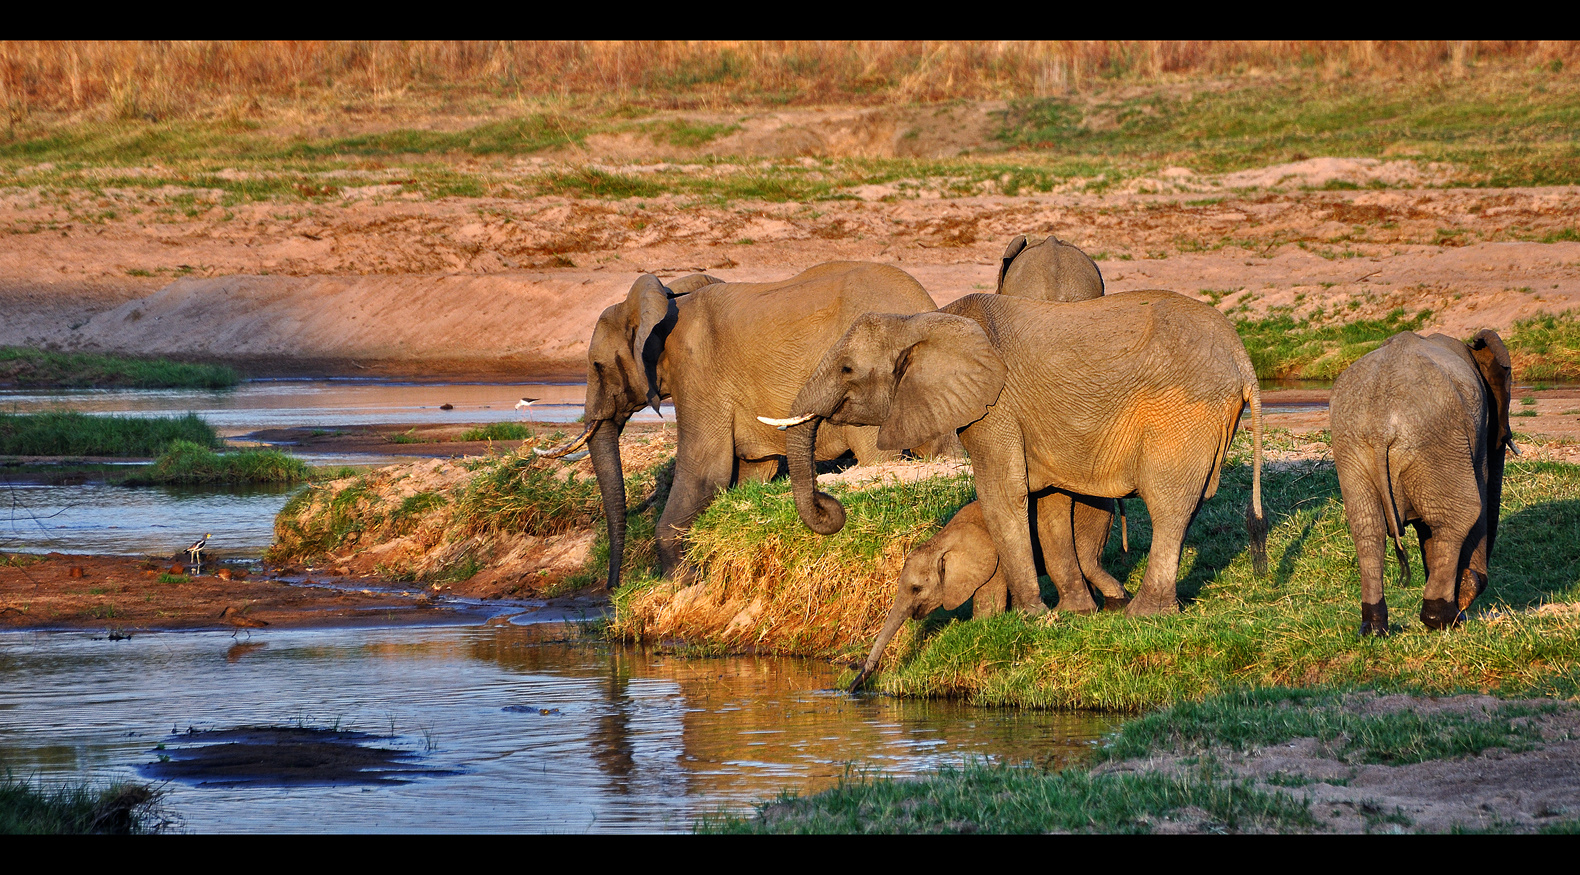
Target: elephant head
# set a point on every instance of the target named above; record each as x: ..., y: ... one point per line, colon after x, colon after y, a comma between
x: 1049, y: 270
x: 944, y: 572
x: 917, y: 377
x: 623, y: 376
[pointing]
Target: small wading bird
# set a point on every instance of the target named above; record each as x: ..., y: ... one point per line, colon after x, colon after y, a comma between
x: 197, y: 548
x: 232, y: 616
x: 525, y: 403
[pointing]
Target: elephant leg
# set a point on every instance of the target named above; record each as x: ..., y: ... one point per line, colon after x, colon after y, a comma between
x: 1055, y: 534
x: 863, y: 442
x: 1005, y: 510
x: 1092, y: 520
x: 992, y: 598
x: 1473, y: 581
x: 1444, y: 549
x: 697, y: 481
x: 1364, y: 511
x: 1172, y: 508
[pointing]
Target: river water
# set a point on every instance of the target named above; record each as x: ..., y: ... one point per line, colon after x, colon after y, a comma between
x: 531, y: 736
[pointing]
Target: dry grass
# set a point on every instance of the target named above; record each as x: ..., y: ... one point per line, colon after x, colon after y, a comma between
x: 163, y: 79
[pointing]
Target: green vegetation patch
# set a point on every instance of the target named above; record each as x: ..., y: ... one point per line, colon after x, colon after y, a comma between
x: 68, y: 433
x: 1282, y: 346
x: 1295, y: 627
x: 982, y: 798
x: 27, y: 809
x: 1247, y: 719
x: 526, y: 493
x: 40, y: 369
x: 1546, y: 347
x: 187, y: 463
x: 498, y: 431
x: 773, y: 585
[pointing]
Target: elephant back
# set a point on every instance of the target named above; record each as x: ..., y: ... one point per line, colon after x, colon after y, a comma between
x: 1048, y: 270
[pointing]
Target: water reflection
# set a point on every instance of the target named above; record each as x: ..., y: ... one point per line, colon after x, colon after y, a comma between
x: 548, y: 736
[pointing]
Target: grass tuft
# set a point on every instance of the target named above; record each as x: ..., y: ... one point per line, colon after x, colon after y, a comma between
x: 26, y: 809
x: 68, y: 433
x: 40, y: 369
x: 186, y: 463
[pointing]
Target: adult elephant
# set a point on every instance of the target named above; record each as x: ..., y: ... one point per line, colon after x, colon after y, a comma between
x: 724, y: 352
x: 1048, y: 269
x: 1420, y: 430
x: 1132, y: 394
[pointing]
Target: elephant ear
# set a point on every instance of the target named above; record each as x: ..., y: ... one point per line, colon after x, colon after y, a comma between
x: 1492, y: 357
x: 963, y: 572
x: 655, y: 316
x: 946, y: 378
x: 1014, y: 249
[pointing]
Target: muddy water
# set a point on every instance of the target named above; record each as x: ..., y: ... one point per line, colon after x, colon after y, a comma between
x: 538, y: 737
x: 261, y: 404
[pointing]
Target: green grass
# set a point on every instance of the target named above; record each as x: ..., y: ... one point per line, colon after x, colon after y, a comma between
x: 1018, y: 798
x: 27, y: 809
x: 40, y: 369
x: 1295, y: 627
x: 1247, y: 719
x: 1281, y: 346
x: 1498, y: 128
x: 526, y: 494
x: 1546, y: 347
x: 187, y: 463
x: 68, y: 433
x: 983, y: 798
x: 498, y: 431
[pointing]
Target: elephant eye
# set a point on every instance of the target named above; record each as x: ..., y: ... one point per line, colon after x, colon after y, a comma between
x: 846, y: 370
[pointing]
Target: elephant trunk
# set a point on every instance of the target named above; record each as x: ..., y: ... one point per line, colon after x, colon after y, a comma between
x: 605, y: 446
x: 821, y: 512
x: 897, y: 616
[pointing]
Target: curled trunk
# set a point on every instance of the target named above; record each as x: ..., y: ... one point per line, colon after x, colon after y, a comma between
x: 896, y: 618
x: 819, y: 510
x: 605, y: 447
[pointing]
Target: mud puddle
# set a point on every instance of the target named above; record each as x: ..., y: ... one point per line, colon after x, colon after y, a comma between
x: 532, y: 728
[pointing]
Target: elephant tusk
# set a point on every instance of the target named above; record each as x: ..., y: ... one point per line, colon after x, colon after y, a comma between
x: 569, y: 448
x: 1512, y: 448
x: 783, y: 424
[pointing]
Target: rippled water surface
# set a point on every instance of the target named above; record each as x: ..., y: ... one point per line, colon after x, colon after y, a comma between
x: 261, y: 404
x: 137, y: 521
x: 545, y: 737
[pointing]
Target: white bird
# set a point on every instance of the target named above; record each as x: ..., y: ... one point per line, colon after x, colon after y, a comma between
x: 196, y: 550
x: 525, y: 403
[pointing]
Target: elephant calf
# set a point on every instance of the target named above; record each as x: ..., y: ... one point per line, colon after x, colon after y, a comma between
x: 1048, y: 269
x: 1420, y: 428
x: 961, y: 563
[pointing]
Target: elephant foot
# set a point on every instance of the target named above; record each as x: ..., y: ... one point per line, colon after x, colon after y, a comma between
x: 1114, y: 603
x: 1090, y: 608
x: 1441, y: 614
x: 1035, y: 609
x: 1076, y: 602
x: 1471, y: 585
x: 1374, y: 619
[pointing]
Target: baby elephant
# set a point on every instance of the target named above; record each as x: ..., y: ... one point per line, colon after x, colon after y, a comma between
x: 960, y: 563
x: 1420, y: 427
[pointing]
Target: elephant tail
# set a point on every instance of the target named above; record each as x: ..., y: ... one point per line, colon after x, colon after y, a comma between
x: 1389, y: 487
x: 1255, y: 515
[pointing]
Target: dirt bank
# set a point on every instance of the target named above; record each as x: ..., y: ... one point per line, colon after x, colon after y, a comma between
x: 510, y: 287
x: 122, y: 595
x: 1499, y: 789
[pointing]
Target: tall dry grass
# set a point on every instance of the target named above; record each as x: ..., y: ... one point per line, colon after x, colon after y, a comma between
x: 157, y: 79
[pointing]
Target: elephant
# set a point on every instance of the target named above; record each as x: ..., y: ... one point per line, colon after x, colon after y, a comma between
x: 1138, y: 393
x: 960, y: 563
x: 723, y: 352
x: 1049, y: 270
x: 1420, y: 431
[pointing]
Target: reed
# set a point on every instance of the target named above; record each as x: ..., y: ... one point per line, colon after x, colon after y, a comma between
x: 69, y: 433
